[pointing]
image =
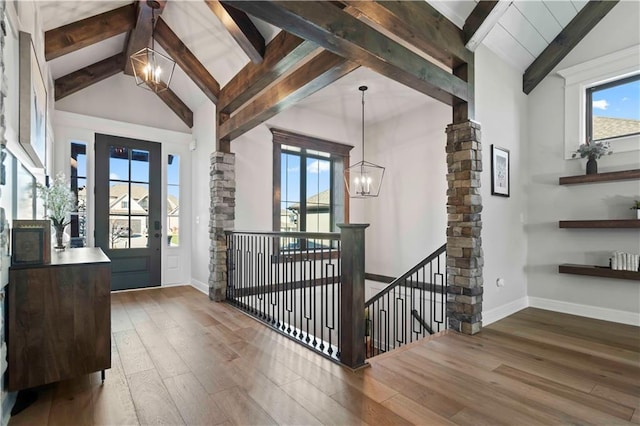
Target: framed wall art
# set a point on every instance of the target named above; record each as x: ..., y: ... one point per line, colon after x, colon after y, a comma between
x: 31, y: 242
x: 33, y: 103
x: 500, y: 171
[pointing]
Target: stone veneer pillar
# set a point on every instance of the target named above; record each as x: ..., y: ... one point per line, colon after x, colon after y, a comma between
x: 221, y: 219
x: 464, y: 225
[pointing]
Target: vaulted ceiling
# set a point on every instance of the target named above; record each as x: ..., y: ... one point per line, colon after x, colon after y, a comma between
x: 229, y: 56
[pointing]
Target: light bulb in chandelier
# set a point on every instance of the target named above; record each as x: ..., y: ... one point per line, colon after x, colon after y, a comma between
x: 152, y: 70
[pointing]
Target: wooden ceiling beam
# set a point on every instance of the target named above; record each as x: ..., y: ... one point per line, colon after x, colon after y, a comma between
x: 71, y: 37
x: 243, y: 31
x: 177, y: 106
x: 187, y: 60
x: 482, y: 19
x: 568, y: 38
x: 316, y: 74
x: 419, y: 24
x: 281, y: 54
x: 85, y: 77
x: 141, y: 34
x: 346, y: 36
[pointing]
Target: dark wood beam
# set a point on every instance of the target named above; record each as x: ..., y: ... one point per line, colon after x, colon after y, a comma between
x: 344, y: 35
x: 419, y: 24
x: 281, y: 54
x: 319, y: 72
x: 141, y: 34
x: 187, y: 60
x: 482, y: 19
x: 83, y: 33
x: 243, y: 31
x: 568, y: 38
x: 180, y: 108
x: 85, y: 77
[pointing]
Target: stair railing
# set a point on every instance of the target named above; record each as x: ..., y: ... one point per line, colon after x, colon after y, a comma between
x: 411, y: 307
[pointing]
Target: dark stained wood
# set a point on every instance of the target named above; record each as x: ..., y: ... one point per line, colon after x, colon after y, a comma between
x: 243, y: 31
x: 477, y: 17
x: 319, y: 72
x: 180, y: 108
x: 85, y: 77
x: 598, y: 271
x: 68, y: 38
x: 620, y: 223
x: 223, y: 143
x: 141, y: 35
x: 59, y: 324
x: 338, y: 32
x: 564, y: 42
x: 421, y: 25
x: 285, y: 137
x: 465, y: 110
x: 281, y: 54
x: 379, y: 278
x: 352, y: 335
x: 534, y: 367
x: 600, y: 177
x: 187, y: 60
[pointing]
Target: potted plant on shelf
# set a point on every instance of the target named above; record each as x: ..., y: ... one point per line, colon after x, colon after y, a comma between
x: 59, y: 202
x: 593, y: 150
x: 636, y: 207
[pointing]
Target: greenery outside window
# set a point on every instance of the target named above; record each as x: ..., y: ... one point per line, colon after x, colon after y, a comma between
x: 613, y: 109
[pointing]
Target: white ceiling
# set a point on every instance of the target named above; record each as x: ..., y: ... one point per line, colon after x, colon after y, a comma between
x: 523, y: 32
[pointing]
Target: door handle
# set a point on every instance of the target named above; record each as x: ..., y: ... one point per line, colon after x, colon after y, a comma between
x: 157, y: 235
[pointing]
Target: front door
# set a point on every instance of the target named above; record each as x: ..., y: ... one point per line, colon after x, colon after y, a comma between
x: 128, y: 209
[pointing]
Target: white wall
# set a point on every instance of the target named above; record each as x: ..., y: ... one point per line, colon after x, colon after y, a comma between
x: 204, y: 133
x: 408, y: 221
x: 501, y: 109
x: 547, y: 202
x: 118, y: 98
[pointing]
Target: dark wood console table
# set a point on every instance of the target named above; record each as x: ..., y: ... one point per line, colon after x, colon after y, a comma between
x: 59, y: 318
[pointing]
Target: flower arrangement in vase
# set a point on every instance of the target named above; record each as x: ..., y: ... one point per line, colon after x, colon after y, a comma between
x: 59, y: 201
x: 592, y: 150
x: 636, y: 207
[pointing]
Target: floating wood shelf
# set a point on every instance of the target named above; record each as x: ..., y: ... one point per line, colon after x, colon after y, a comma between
x: 595, y: 224
x: 598, y: 271
x: 601, y: 177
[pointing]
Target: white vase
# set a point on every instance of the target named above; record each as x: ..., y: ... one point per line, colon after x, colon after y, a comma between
x: 638, y: 214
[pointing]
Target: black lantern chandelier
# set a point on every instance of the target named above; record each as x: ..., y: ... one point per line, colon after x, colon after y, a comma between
x: 364, y: 178
x: 152, y: 69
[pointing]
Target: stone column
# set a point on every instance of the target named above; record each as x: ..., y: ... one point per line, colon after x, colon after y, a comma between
x: 464, y: 244
x: 221, y: 219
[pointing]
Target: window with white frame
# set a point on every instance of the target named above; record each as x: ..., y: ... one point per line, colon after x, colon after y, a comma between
x: 597, y: 94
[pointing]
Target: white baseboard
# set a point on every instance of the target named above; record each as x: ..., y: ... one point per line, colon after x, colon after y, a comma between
x: 200, y: 286
x: 504, y: 311
x: 613, y: 315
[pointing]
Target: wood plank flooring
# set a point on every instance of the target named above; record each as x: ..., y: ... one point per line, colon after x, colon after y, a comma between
x: 180, y: 359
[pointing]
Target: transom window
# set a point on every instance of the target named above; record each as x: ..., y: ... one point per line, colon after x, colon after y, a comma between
x: 613, y: 109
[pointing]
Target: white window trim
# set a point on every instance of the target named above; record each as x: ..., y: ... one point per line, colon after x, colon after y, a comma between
x: 578, y: 78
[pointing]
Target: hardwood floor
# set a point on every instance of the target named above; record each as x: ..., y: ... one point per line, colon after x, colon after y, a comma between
x: 180, y: 359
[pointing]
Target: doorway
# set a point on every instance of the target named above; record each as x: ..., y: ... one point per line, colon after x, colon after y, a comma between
x: 128, y: 216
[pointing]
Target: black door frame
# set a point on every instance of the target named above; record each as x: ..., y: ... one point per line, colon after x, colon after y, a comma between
x: 130, y: 267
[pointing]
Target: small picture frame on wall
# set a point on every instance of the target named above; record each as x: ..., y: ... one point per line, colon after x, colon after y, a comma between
x: 31, y: 242
x: 500, y: 171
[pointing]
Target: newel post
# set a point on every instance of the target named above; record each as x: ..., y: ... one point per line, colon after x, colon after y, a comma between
x: 352, y: 338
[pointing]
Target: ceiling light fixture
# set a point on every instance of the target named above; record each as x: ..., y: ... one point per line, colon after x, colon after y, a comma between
x: 152, y: 69
x: 364, y: 178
